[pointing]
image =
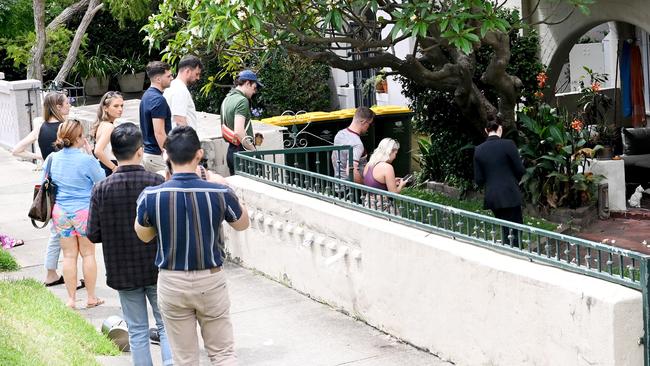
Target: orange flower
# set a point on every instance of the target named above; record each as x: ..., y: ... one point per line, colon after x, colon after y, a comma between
x: 539, y: 95
x: 595, y: 86
x: 541, y: 79
x: 576, y: 125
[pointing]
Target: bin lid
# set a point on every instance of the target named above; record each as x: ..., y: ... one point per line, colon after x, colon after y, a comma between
x: 304, y: 118
x: 391, y: 109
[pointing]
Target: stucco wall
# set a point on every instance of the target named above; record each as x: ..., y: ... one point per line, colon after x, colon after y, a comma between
x: 556, y: 40
x: 467, y: 304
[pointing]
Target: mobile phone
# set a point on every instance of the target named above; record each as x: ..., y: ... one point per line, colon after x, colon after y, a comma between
x: 408, y: 178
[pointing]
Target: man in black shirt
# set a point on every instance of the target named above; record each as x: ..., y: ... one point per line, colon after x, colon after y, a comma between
x: 498, y: 166
x: 130, y: 267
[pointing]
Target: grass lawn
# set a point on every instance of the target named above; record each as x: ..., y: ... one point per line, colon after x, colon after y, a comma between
x: 36, y: 328
x: 470, y: 205
x: 7, y: 262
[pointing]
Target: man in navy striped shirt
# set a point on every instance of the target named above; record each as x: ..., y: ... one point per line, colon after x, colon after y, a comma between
x: 185, y: 215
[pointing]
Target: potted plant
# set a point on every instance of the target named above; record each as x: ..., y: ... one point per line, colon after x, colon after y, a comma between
x: 94, y: 71
x: 377, y: 82
x: 594, y: 106
x: 131, y: 74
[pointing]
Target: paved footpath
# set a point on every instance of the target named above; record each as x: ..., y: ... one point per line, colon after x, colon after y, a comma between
x: 274, y: 325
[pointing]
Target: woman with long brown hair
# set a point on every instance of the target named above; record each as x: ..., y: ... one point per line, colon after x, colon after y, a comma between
x: 56, y: 108
x: 74, y: 172
x: 110, y: 109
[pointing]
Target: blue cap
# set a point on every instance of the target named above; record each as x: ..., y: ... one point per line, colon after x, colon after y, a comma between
x: 250, y: 75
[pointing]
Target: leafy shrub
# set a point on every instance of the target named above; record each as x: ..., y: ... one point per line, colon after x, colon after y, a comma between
x: 207, y: 93
x: 290, y: 83
x: 293, y: 83
x: 97, y: 64
x: 556, y: 156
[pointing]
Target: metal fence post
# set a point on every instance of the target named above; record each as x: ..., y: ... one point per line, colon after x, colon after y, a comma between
x: 645, y: 290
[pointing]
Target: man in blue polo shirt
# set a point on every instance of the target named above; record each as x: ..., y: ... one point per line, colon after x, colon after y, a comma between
x: 155, y: 115
x: 185, y: 215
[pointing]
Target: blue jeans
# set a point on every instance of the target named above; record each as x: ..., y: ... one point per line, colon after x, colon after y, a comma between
x: 53, y: 250
x: 134, y: 307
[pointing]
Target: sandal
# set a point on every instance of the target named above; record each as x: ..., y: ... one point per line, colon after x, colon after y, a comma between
x: 60, y: 281
x: 94, y: 304
x: 82, y: 285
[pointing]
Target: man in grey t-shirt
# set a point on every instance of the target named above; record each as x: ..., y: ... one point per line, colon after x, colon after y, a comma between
x: 361, y: 122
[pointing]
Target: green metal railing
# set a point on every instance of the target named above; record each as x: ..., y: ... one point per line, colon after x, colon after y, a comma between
x: 332, y: 161
x: 621, y: 266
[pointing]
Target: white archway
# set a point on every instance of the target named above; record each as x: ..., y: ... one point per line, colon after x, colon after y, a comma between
x: 557, y: 40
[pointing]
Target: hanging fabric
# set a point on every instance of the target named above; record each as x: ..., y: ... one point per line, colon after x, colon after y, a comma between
x: 636, y: 75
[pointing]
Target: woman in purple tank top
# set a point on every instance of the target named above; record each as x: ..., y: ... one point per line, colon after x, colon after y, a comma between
x: 379, y: 173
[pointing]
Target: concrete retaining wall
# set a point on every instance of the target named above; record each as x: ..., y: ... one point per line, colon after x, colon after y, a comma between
x: 467, y: 304
x: 20, y: 102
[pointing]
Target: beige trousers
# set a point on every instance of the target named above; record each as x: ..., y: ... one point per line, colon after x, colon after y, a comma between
x: 188, y: 297
x: 153, y: 163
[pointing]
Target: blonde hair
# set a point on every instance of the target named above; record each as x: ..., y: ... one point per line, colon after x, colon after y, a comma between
x: 50, y: 102
x: 106, y: 100
x: 383, y: 150
x: 68, y: 134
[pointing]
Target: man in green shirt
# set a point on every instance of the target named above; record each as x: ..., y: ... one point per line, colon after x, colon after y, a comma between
x: 236, y: 116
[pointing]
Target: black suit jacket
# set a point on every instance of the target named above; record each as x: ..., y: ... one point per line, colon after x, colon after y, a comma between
x: 497, y: 165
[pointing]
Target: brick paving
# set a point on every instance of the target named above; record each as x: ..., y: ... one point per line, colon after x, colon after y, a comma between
x: 628, y: 230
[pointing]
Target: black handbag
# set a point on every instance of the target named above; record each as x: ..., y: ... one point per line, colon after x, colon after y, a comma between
x: 44, y: 196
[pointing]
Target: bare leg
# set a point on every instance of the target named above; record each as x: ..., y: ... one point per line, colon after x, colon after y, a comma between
x: 87, y: 250
x: 70, y: 247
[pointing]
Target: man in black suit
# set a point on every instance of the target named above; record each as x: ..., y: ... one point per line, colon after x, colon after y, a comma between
x: 498, y: 166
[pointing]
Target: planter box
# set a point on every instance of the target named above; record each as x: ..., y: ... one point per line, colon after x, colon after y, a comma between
x: 577, y: 219
x: 131, y: 83
x: 95, y: 86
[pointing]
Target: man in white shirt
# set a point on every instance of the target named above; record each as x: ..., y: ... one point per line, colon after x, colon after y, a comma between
x: 178, y: 96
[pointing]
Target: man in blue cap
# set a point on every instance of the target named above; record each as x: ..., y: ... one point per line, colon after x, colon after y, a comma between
x: 236, y: 127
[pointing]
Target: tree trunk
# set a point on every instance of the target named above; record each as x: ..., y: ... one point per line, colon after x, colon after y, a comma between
x: 67, y: 14
x: 35, y: 66
x: 93, y: 7
x: 507, y: 86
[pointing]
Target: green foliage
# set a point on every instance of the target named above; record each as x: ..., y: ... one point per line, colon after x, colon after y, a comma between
x: 594, y: 106
x: 443, y: 157
x: 97, y: 64
x: 293, y: 83
x: 56, y: 49
x: 16, y: 18
x: 234, y: 28
x: 471, y: 205
x: 555, y: 155
x: 290, y: 83
x: 7, y: 261
x: 130, y: 65
x: 135, y: 11
x: 36, y: 328
x: 207, y: 93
